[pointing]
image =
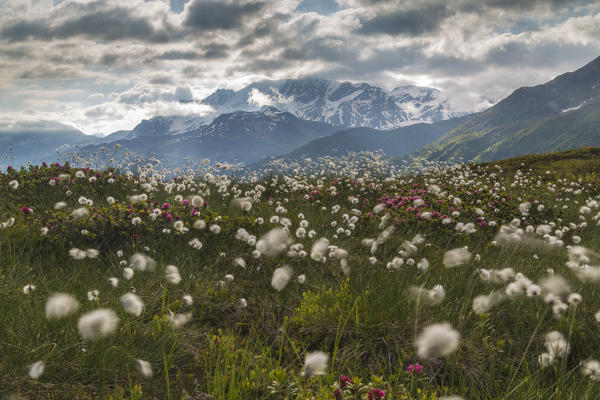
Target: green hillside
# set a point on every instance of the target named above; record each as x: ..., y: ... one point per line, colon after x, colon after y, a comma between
x: 559, y: 115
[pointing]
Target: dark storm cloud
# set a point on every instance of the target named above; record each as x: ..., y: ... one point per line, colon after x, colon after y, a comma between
x: 406, y: 22
x: 207, y: 15
x: 106, y: 25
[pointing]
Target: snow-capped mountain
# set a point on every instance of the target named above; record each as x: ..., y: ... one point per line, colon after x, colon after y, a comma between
x: 342, y: 104
x: 160, y: 126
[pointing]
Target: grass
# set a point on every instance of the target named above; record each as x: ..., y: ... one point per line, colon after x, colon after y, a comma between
x: 365, y: 319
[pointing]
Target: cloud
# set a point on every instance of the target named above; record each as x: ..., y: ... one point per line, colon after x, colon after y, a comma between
x: 410, y: 22
x: 107, y: 25
x: 146, y: 56
x: 146, y: 94
x: 179, y: 55
x: 207, y: 15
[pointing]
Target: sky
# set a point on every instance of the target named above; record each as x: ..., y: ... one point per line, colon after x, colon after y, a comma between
x: 103, y: 66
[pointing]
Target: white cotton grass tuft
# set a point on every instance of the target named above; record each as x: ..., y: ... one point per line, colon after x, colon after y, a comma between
x: 456, y: 257
x: 61, y: 305
x: 172, y: 274
x: 187, y: 300
x: 144, y: 368
x: 81, y: 212
x: 141, y: 262
x: 243, y: 203
x: 28, y: 289
x: 197, y: 201
x: 239, y: 262
x: 132, y: 304
x: 555, y: 284
x: 556, y: 347
x: 199, y: 224
x: 179, y: 320
x: 437, y: 340
x: 433, y: 297
x: 97, y: 324
x: 36, y: 369
x: 93, y: 295
x: 128, y: 273
x: 13, y: 185
x: 315, y: 363
x: 281, y: 277
x: 423, y: 265
x: 483, y: 303
x: 378, y: 208
x: 195, y: 244
x: 77, y: 254
x: 319, y: 249
x: 274, y: 242
x: 92, y: 253
x: 591, y: 368
x: 60, y: 205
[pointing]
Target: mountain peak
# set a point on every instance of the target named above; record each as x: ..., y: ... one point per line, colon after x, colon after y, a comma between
x: 344, y: 104
x: 271, y: 111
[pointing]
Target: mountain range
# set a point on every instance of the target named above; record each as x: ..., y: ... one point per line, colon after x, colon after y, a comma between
x: 28, y: 141
x: 310, y: 117
x: 343, y: 104
x: 240, y: 136
x: 561, y: 114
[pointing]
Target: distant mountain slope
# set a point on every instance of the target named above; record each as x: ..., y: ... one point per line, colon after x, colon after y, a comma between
x: 160, y: 126
x: 395, y: 143
x: 558, y: 115
x: 343, y: 104
x: 234, y: 137
x: 39, y: 141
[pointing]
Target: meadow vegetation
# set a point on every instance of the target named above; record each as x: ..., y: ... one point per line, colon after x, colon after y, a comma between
x: 337, y: 280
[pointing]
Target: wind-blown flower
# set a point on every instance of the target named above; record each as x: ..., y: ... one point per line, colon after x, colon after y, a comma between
x: 97, y: 324
x: 36, y: 369
x: 132, y: 304
x: 281, y: 277
x: 274, y: 242
x: 437, y: 340
x: 142, y: 262
x: 315, y: 363
x: 172, y: 274
x: 319, y: 249
x: 456, y: 257
x: 61, y: 305
x: 144, y: 368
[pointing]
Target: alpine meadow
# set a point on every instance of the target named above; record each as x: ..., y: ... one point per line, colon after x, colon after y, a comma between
x: 299, y: 199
